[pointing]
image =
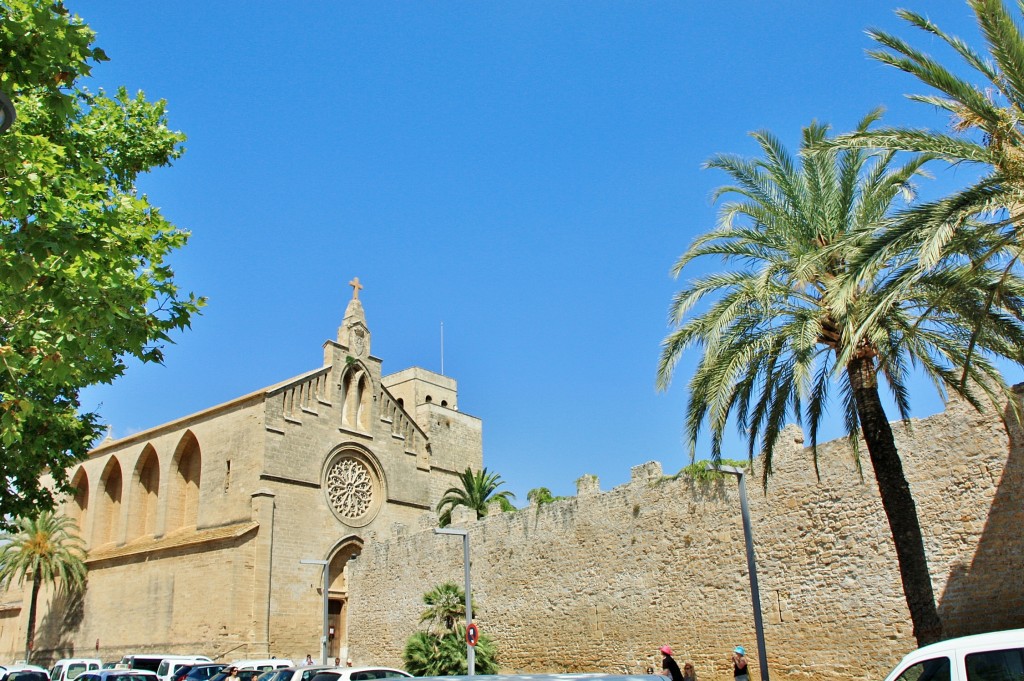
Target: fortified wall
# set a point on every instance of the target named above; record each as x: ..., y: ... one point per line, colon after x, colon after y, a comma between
x: 599, y: 581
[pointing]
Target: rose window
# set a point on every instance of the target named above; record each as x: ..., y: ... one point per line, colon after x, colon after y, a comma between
x: 350, y: 488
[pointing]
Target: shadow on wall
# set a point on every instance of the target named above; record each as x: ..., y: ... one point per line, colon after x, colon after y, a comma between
x: 55, y: 632
x: 966, y: 605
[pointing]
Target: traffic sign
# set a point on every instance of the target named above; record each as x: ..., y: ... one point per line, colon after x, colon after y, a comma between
x: 472, y: 634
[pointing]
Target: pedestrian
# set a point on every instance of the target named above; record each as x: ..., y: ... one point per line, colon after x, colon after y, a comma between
x: 688, y: 673
x: 309, y: 660
x: 337, y: 662
x: 739, y: 664
x: 233, y: 673
x: 349, y: 662
x: 668, y: 665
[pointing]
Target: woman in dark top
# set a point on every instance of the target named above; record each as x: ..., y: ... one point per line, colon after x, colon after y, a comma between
x: 669, y: 666
x: 739, y: 664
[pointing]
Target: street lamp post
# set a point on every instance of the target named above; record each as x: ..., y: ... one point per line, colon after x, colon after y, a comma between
x: 470, y: 650
x: 755, y: 594
x: 323, y: 639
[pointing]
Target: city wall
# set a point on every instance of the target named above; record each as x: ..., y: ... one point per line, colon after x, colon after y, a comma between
x: 599, y: 581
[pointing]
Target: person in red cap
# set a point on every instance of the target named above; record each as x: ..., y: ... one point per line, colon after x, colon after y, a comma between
x: 669, y: 667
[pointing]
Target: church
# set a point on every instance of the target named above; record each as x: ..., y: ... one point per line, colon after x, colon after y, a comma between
x: 210, y: 534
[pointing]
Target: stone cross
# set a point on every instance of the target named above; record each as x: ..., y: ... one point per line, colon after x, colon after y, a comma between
x: 355, y: 288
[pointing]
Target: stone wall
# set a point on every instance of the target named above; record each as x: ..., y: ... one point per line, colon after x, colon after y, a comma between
x: 599, y: 581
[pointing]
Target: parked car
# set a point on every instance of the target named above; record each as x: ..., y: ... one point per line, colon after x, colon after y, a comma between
x: 262, y: 665
x: 23, y: 672
x: 359, y: 674
x: 170, y: 665
x: 152, y: 661
x: 243, y: 675
x: 204, y: 671
x: 300, y: 673
x: 118, y: 675
x: 997, y: 656
x: 70, y: 667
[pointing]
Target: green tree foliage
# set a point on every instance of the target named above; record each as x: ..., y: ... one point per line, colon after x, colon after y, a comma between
x: 699, y: 471
x: 441, y: 650
x: 781, y: 319
x: 541, y: 496
x: 48, y: 549
x: 84, y: 282
x: 446, y: 607
x: 477, y: 491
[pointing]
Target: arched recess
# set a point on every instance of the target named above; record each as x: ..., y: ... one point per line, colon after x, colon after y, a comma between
x: 78, y: 506
x: 357, y: 389
x: 346, y: 551
x: 144, y: 495
x: 108, y: 516
x: 183, y: 492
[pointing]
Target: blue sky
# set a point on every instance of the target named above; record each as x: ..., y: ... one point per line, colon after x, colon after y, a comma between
x: 524, y: 172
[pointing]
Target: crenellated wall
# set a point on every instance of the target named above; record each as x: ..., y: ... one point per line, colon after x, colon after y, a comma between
x: 597, y: 582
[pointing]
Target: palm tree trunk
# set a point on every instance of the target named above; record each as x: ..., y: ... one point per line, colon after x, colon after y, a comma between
x: 31, y: 631
x: 896, y: 500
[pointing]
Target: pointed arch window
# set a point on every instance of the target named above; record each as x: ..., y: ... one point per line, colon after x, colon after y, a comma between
x: 78, y: 507
x: 109, y: 512
x: 144, y: 495
x: 183, y: 491
x: 358, y: 399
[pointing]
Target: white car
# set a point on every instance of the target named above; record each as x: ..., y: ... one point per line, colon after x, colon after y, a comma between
x: 70, y: 667
x: 359, y: 674
x: 996, y: 656
x: 262, y: 665
x: 302, y: 673
x: 23, y: 672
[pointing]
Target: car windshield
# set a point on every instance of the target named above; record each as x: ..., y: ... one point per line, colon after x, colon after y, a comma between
x: 203, y: 672
x: 27, y: 675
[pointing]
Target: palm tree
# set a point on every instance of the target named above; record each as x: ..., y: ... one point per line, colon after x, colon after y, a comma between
x: 784, y: 326
x: 446, y: 606
x: 478, y: 490
x: 49, y: 549
x: 443, y: 652
x: 988, y: 130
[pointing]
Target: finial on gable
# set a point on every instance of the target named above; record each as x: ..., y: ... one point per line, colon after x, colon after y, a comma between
x: 353, y: 332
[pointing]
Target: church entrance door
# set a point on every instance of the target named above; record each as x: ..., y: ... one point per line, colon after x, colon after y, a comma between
x: 336, y: 623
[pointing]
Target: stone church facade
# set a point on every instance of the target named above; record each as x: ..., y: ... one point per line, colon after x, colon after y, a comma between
x: 196, y: 528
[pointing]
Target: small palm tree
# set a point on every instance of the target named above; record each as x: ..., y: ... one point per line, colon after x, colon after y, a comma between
x: 541, y: 496
x: 790, y: 317
x: 446, y: 606
x: 49, y: 549
x: 442, y: 652
x: 478, y: 490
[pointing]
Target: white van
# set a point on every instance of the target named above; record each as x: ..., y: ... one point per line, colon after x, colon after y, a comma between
x: 69, y: 668
x: 171, y: 664
x: 997, y: 656
x: 152, y: 661
x: 261, y: 665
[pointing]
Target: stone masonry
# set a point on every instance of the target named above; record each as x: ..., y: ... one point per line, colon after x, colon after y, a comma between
x: 599, y: 581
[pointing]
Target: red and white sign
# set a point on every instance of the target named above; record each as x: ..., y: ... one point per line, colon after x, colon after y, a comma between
x: 472, y: 634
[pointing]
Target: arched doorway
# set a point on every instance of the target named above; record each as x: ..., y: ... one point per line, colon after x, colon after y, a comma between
x: 337, y: 597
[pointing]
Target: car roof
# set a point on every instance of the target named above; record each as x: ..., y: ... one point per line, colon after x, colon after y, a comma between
x: 1009, y: 636
x: 22, y: 668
